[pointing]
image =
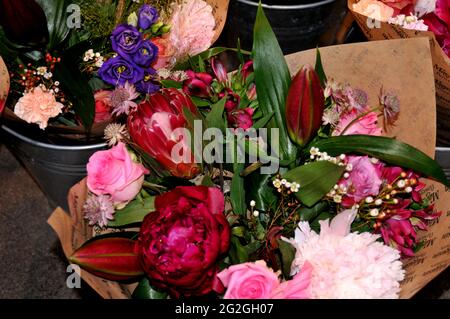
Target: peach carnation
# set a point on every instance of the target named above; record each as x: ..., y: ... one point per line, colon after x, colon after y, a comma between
x: 38, y: 106
x: 192, y: 28
x: 347, y: 265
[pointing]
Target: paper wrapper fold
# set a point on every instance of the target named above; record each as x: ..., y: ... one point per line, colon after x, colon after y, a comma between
x: 403, y: 66
x: 377, y: 30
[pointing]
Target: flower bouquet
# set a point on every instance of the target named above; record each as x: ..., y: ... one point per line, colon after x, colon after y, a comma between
x: 253, y: 184
x: 396, y: 19
x: 86, y: 63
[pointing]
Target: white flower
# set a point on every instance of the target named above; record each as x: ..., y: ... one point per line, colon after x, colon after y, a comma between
x: 115, y: 133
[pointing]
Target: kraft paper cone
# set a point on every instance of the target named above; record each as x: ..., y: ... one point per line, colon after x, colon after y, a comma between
x: 403, y: 66
x: 4, y: 84
x: 376, y: 30
x: 220, y: 10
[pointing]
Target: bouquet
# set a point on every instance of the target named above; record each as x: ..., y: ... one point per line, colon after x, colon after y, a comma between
x: 87, y: 63
x: 253, y: 184
x: 385, y: 19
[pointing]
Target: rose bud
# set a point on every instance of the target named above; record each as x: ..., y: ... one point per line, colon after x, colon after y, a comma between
x: 24, y: 22
x: 109, y: 258
x: 305, y: 104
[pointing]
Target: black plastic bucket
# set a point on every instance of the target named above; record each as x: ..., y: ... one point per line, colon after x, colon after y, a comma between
x: 298, y: 24
x: 55, y: 168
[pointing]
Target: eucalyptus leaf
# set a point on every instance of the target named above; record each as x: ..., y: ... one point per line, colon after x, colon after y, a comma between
x: 386, y: 149
x: 316, y: 180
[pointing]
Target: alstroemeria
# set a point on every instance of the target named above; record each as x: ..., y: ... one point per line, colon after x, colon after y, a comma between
x: 233, y: 99
x: 242, y: 118
x: 219, y: 70
x: 198, y: 84
x: 154, y: 126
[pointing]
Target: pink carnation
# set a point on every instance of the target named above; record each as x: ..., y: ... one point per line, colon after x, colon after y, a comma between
x: 192, y: 28
x: 366, y: 125
x: 347, y: 265
x: 38, y: 106
x: 257, y: 281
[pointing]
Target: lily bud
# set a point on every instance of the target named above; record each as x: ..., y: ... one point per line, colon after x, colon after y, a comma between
x: 24, y: 22
x: 305, y: 105
x: 109, y: 258
x: 219, y: 70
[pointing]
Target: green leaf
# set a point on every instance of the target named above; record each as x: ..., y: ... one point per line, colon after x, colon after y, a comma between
x: 201, y: 64
x: 308, y: 214
x: 215, y: 117
x: 208, y: 54
x: 171, y: 84
x: 257, y: 188
x: 207, y: 181
x: 76, y: 86
x: 385, y: 149
x: 287, y: 256
x: 133, y: 213
x: 238, y: 254
x: 315, y: 179
x: 145, y: 291
x: 272, y: 79
x: 237, y: 193
x: 319, y: 69
x: 199, y: 102
x: 57, y: 18
x: 263, y: 121
x: 315, y: 223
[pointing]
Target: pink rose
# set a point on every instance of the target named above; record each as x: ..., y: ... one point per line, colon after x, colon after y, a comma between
x: 367, y: 125
x: 102, y: 106
x: 166, y: 53
x: 249, y: 281
x: 113, y: 172
x: 364, y: 180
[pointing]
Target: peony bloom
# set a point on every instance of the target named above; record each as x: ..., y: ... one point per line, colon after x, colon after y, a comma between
x: 181, y: 242
x: 257, y: 281
x: 113, y: 172
x: 347, y: 265
x: 98, y: 210
x: 38, y: 106
x: 102, y: 106
x: 192, y: 28
x: 122, y: 99
x: 157, y: 126
x: 366, y: 125
x: 374, y: 9
x: 364, y: 180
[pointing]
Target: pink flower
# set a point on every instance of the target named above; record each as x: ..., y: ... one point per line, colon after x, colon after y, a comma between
x: 257, y: 281
x: 346, y: 265
x: 364, y: 180
x: 374, y: 9
x: 233, y: 99
x: 241, y: 118
x: 166, y: 53
x: 122, y: 99
x: 366, y: 125
x: 198, y: 84
x: 102, y: 106
x: 113, y: 172
x: 38, y: 106
x: 439, y: 23
x: 98, y: 210
x: 192, y: 28
x: 401, y: 6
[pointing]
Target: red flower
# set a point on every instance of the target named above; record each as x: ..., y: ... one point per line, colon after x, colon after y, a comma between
x: 247, y: 69
x: 181, y: 242
x: 198, y: 84
x: 233, y: 99
x: 152, y: 126
x: 439, y: 23
x: 241, y: 118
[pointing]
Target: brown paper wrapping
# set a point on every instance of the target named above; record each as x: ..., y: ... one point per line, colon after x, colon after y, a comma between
x: 220, y: 10
x: 4, y: 83
x: 403, y: 66
x: 441, y: 63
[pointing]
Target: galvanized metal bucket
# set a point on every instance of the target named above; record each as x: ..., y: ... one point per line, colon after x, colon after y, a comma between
x: 55, y: 168
x: 443, y: 158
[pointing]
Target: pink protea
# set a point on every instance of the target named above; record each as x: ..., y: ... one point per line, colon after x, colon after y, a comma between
x: 347, y: 265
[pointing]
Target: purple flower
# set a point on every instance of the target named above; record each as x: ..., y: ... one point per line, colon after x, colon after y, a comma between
x: 145, y: 54
x: 118, y: 71
x: 126, y: 40
x: 147, y: 16
x: 147, y: 85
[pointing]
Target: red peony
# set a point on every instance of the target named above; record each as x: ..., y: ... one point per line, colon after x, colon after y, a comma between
x: 181, y: 242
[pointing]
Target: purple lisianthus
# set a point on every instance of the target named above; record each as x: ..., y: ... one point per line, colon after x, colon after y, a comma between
x: 126, y: 40
x: 147, y: 84
x: 146, y: 54
x: 147, y: 16
x: 118, y: 71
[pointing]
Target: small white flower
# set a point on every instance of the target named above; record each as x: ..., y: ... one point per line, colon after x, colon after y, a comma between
x: 283, y: 181
x: 287, y: 185
x: 346, y: 175
x: 378, y: 202
x: 374, y: 160
x: 408, y: 189
x: 48, y: 75
x: 374, y: 212
x: 369, y: 199
x: 256, y: 213
x: 401, y: 183
x: 56, y: 83
x: 42, y: 70
x: 337, y: 199
x: 252, y: 203
x: 349, y: 167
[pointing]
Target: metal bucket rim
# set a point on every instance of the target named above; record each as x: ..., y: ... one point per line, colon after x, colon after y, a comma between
x: 287, y: 7
x: 51, y: 146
